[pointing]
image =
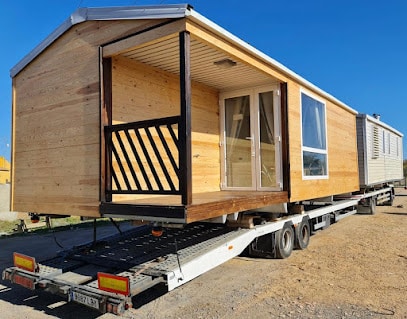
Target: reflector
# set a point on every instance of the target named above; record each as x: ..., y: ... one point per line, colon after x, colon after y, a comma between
x: 113, y: 283
x: 24, y: 262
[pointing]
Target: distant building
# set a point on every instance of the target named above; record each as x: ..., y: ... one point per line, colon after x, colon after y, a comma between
x: 4, y: 171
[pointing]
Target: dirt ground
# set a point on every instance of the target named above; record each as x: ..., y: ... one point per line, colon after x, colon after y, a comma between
x: 357, y: 268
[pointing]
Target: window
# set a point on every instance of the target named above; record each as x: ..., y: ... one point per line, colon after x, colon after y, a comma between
x: 314, y: 146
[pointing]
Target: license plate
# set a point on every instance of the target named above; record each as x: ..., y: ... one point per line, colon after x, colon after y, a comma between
x: 24, y: 281
x: 85, y: 300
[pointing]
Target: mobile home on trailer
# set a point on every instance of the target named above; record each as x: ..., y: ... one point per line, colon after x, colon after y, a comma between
x: 380, y: 151
x: 159, y: 114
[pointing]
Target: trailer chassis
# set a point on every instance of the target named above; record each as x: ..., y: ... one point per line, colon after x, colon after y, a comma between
x: 180, y: 255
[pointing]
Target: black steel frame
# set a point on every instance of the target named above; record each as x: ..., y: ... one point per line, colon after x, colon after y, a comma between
x: 117, y: 136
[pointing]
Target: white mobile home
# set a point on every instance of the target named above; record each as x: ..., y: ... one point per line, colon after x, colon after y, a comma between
x: 380, y: 151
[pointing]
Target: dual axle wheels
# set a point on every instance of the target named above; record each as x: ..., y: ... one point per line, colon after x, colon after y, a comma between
x: 289, y: 238
x: 281, y: 243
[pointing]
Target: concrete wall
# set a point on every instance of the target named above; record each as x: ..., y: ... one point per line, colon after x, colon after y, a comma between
x: 5, y: 213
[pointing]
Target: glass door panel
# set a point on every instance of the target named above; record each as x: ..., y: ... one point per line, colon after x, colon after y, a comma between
x: 239, y: 142
x: 251, y: 154
x: 267, y: 150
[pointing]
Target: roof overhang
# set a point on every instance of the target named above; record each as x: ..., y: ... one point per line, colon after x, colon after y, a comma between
x: 175, y: 11
x: 378, y: 122
x: 172, y: 11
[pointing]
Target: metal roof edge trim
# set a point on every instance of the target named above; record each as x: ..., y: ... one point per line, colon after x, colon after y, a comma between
x: 200, y: 19
x: 380, y: 123
x: 103, y: 13
x: 41, y: 47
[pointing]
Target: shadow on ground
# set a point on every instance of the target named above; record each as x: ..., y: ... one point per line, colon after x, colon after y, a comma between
x: 47, y: 303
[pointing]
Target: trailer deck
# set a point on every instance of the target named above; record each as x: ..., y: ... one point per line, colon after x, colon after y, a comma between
x: 105, y: 275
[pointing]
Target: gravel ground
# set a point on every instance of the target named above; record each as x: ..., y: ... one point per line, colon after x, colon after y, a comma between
x: 356, y: 268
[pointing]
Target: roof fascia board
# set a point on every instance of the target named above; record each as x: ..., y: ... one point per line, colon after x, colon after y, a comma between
x: 165, y: 30
x: 201, y: 20
x: 102, y: 14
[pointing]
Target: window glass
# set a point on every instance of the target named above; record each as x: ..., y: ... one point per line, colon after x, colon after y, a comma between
x: 313, y: 136
x: 313, y: 123
x: 238, y: 142
x: 267, y: 147
x: 314, y: 164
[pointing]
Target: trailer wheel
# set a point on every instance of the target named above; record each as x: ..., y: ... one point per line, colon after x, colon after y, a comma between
x: 302, y: 235
x: 284, y: 241
x: 372, y: 205
x: 391, y: 200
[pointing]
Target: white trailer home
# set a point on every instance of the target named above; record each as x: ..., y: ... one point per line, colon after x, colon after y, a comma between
x: 380, y: 151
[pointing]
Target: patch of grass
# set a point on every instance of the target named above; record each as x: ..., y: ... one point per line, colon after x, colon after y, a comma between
x: 7, y: 226
x: 57, y: 224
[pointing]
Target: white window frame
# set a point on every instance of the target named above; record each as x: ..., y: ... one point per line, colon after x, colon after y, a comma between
x: 311, y: 149
x: 222, y: 97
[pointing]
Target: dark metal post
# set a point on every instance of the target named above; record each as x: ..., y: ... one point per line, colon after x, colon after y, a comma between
x: 106, y: 137
x: 185, y: 162
x: 285, y: 155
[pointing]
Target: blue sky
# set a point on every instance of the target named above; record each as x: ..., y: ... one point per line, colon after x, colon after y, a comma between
x: 355, y: 50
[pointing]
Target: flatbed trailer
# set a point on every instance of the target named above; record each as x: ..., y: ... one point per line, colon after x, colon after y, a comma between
x: 106, y: 275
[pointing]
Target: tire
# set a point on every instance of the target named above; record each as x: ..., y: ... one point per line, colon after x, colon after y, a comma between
x: 390, y: 201
x: 372, y: 206
x: 284, y: 242
x: 302, y: 235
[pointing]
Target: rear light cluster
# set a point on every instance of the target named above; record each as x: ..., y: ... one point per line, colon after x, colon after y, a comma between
x: 117, y: 309
x: 6, y: 275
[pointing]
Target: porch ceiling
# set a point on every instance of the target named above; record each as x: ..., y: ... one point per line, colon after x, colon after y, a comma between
x: 165, y: 55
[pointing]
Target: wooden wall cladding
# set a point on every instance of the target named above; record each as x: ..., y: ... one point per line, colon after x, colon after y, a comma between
x: 141, y: 92
x: 56, y: 108
x: 342, y: 151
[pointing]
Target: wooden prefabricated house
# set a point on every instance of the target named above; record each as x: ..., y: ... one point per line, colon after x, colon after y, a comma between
x: 380, y: 151
x: 160, y: 114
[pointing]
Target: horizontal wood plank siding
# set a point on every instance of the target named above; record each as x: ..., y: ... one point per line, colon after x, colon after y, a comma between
x: 342, y: 151
x: 141, y: 92
x: 56, y: 107
x: 232, y: 203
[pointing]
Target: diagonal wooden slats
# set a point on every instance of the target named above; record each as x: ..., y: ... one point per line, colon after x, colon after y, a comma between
x: 145, y: 157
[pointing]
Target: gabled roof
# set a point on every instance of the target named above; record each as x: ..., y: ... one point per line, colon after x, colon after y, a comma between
x: 170, y: 11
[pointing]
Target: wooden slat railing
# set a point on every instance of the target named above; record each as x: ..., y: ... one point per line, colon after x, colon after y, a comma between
x: 143, y: 157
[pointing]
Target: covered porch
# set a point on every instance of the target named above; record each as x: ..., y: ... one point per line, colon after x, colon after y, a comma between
x: 161, y: 153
